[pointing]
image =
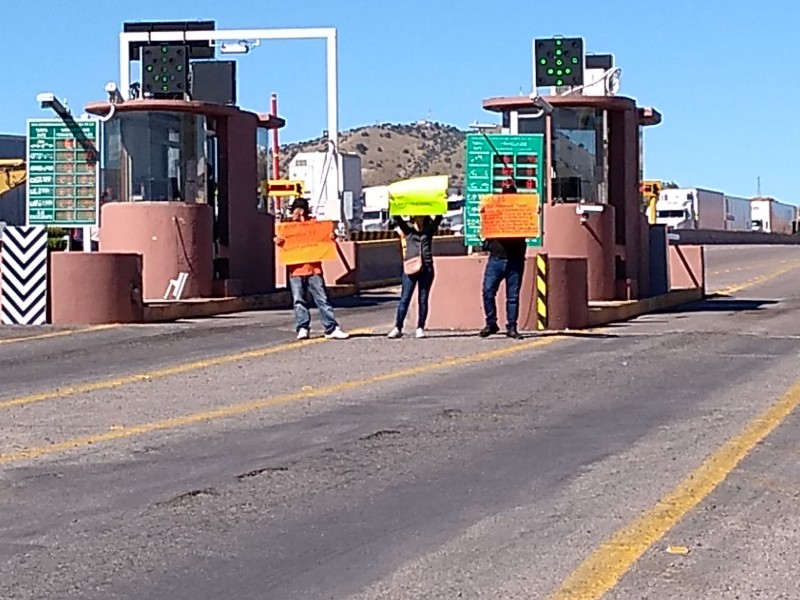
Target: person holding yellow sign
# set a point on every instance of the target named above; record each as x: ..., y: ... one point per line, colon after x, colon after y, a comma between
x: 426, y: 199
x: 417, y: 270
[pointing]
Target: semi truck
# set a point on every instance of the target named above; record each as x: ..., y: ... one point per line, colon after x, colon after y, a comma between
x: 691, y: 208
x: 770, y: 216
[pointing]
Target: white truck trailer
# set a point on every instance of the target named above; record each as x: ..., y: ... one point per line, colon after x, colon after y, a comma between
x: 770, y: 216
x: 737, y: 214
x: 691, y: 208
x: 318, y: 173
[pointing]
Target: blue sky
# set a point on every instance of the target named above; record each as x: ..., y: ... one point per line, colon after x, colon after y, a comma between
x: 700, y: 63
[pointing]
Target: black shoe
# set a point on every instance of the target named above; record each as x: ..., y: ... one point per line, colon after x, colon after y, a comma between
x: 513, y: 334
x: 488, y: 330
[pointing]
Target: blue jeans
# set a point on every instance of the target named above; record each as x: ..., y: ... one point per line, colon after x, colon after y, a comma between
x: 316, y: 285
x: 425, y: 280
x: 498, y: 269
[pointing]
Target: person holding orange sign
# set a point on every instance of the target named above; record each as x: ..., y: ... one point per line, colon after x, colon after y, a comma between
x: 307, y: 277
x: 506, y: 262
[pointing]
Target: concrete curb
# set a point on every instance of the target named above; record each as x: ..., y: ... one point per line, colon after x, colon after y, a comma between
x: 160, y: 311
x: 601, y: 315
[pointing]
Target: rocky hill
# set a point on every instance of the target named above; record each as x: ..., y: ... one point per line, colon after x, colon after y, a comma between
x: 392, y: 152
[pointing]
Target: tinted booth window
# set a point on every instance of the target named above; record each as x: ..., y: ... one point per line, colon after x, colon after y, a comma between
x: 155, y: 156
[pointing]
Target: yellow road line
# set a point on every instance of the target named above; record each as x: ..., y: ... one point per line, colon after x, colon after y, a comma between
x: 248, y: 407
x: 603, y: 569
x: 55, y: 334
x: 757, y: 280
x: 106, y: 384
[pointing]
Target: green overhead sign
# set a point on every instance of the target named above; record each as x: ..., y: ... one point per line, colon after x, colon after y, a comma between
x: 492, y: 159
x: 63, y: 181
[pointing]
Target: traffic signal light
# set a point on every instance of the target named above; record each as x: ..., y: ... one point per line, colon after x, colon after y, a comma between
x: 165, y: 70
x: 559, y: 62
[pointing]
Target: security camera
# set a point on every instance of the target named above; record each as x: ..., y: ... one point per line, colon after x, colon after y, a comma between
x: 46, y: 99
x: 113, y: 93
x: 541, y: 103
x: 50, y: 100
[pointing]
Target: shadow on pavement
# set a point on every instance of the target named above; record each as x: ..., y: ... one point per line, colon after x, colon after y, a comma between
x: 719, y: 303
x: 362, y: 301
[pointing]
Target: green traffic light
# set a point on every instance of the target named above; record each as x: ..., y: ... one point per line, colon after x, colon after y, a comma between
x: 543, y: 61
x: 567, y: 70
x: 559, y: 82
x: 559, y: 62
x: 550, y: 71
x: 164, y: 49
x: 149, y: 68
x: 574, y: 60
x: 558, y: 42
x: 559, y: 52
x: 559, y: 72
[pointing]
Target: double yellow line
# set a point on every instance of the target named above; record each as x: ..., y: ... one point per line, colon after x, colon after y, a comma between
x: 249, y: 407
x: 54, y: 334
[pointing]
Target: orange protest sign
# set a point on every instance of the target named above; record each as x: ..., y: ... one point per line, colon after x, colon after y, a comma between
x: 510, y: 216
x: 305, y: 242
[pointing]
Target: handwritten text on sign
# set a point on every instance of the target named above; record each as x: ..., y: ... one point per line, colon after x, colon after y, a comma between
x: 510, y: 216
x: 306, y: 242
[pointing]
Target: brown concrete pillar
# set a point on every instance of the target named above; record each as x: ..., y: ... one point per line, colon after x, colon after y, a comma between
x: 565, y: 235
x: 172, y: 237
x: 90, y: 288
x: 567, y: 293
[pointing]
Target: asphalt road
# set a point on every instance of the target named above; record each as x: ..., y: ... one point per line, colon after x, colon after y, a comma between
x: 220, y: 459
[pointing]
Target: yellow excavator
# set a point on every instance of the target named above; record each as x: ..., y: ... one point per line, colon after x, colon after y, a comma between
x: 12, y: 173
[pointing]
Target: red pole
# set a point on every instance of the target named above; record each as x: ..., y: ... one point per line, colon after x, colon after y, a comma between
x: 276, y: 163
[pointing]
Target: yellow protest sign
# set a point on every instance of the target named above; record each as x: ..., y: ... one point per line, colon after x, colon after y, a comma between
x: 305, y: 242
x: 419, y: 197
x: 510, y: 216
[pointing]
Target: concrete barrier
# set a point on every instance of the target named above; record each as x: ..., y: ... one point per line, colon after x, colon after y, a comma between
x: 372, y: 264
x: 687, y: 267
x: 708, y: 237
x: 602, y: 313
x: 93, y: 288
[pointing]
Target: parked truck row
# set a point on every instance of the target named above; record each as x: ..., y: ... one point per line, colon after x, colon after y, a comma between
x: 699, y: 208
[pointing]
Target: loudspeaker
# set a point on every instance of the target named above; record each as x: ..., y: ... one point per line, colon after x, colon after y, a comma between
x: 214, y: 81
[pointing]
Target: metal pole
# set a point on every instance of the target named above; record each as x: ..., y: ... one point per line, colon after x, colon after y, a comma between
x: 333, y: 123
x: 276, y: 163
x: 548, y: 161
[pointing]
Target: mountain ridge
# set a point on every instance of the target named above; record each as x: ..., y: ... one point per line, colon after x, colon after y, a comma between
x: 390, y: 152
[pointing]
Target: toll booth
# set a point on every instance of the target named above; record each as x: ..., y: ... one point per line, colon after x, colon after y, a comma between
x: 592, y: 208
x: 181, y: 189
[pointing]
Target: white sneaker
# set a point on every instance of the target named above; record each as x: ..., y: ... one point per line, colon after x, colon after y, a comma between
x: 337, y: 334
x: 420, y: 333
x: 302, y: 334
x: 395, y: 333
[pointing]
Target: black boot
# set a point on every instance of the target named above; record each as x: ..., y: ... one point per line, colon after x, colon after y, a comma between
x: 488, y: 330
x: 513, y: 334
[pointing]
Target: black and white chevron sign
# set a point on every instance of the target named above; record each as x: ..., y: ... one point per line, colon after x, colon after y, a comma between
x: 23, y: 276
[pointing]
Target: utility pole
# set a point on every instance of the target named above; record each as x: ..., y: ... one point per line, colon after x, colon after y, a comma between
x: 758, y: 186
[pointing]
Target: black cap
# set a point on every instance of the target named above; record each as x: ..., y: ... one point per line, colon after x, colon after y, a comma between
x: 300, y: 203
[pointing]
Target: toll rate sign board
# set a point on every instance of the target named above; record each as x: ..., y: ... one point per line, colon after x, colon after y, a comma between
x: 63, y: 182
x: 491, y: 160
